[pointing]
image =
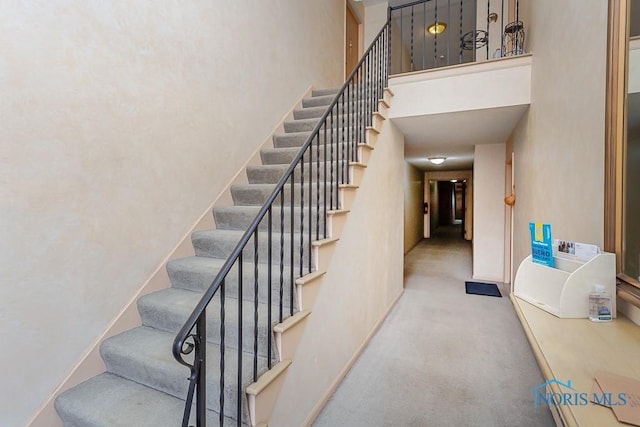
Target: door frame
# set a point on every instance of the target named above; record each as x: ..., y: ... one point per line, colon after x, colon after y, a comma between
x: 360, y: 42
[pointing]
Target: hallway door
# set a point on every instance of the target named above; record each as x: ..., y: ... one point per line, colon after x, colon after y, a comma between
x: 352, y: 46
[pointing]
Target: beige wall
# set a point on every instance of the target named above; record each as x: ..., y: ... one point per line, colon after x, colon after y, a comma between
x: 363, y: 280
x: 375, y: 17
x: 413, y: 206
x: 121, y: 122
x: 559, y: 143
x: 488, y: 212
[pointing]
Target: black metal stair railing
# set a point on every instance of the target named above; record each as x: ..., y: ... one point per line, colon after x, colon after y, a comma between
x: 437, y: 33
x: 279, y: 243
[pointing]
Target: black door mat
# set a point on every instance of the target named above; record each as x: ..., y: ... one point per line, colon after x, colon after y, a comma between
x: 479, y: 288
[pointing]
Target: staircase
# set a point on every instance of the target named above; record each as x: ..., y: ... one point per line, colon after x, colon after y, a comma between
x: 236, y: 310
x: 143, y: 384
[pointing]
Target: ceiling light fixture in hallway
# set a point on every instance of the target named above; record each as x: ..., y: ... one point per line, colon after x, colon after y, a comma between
x: 437, y: 160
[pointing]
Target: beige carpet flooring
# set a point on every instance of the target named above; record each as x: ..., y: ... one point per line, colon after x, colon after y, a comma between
x: 442, y: 357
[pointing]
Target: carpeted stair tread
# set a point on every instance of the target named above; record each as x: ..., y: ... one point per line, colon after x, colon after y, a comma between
x: 144, y: 355
x: 241, y: 217
x: 307, y: 125
x: 168, y: 309
x: 111, y: 401
x: 285, y: 155
x: 317, y: 112
x: 257, y: 194
x: 271, y: 174
x: 298, y: 139
x: 328, y: 91
x: 221, y: 243
x: 197, y: 273
x: 318, y: 100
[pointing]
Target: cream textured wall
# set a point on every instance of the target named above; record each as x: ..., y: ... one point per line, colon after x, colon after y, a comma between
x: 375, y: 17
x: 559, y: 143
x: 121, y: 122
x: 363, y: 279
x: 488, y: 212
x: 489, y: 85
x: 413, y: 206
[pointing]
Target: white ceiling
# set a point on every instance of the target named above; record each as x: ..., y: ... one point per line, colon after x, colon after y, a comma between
x: 454, y: 135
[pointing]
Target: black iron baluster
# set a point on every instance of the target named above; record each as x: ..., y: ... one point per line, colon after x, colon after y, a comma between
x: 302, y: 213
x: 350, y: 121
x: 461, y: 33
x: 222, y: 333
x: 193, y: 378
x: 269, y: 243
x: 255, y: 306
x: 324, y: 180
x: 517, y: 51
x: 424, y: 35
x: 411, y: 66
x: 377, y: 72
x: 310, y: 197
x: 341, y: 140
x: 369, y: 90
x: 401, y: 39
x: 435, y: 37
x: 346, y: 143
x: 291, y: 240
x: 359, y: 105
x: 281, y: 299
x: 502, y: 50
x: 318, y: 187
x: 331, y: 162
x: 488, y: 38
x: 389, y: 21
x: 201, y: 354
x: 239, y: 391
x: 449, y: 32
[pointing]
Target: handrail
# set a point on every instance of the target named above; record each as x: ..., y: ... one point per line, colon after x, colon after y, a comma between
x: 181, y: 346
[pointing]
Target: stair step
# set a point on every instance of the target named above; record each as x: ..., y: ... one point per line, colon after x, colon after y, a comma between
x: 317, y: 112
x: 307, y: 125
x: 241, y: 217
x: 286, y: 155
x: 257, y: 194
x: 271, y: 174
x: 107, y: 400
x: 318, y: 100
x: 144, y: 385
x: 197, y: 274
x: 323, y: 92
x: 220, y: 244
x: 168, y: 309
x: 298, y: 139
x: 144, y: 355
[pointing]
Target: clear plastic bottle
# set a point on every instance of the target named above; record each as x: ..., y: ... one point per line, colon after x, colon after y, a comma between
x: 599, y: 305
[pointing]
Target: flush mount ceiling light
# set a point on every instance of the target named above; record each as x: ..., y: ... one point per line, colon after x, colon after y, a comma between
x: 437, y: 28
x: 437, y: 160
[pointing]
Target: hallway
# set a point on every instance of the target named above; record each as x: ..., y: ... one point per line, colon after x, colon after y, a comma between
x: 442, y: 357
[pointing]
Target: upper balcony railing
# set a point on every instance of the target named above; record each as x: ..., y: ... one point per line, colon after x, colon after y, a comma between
x: 428, y: 34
